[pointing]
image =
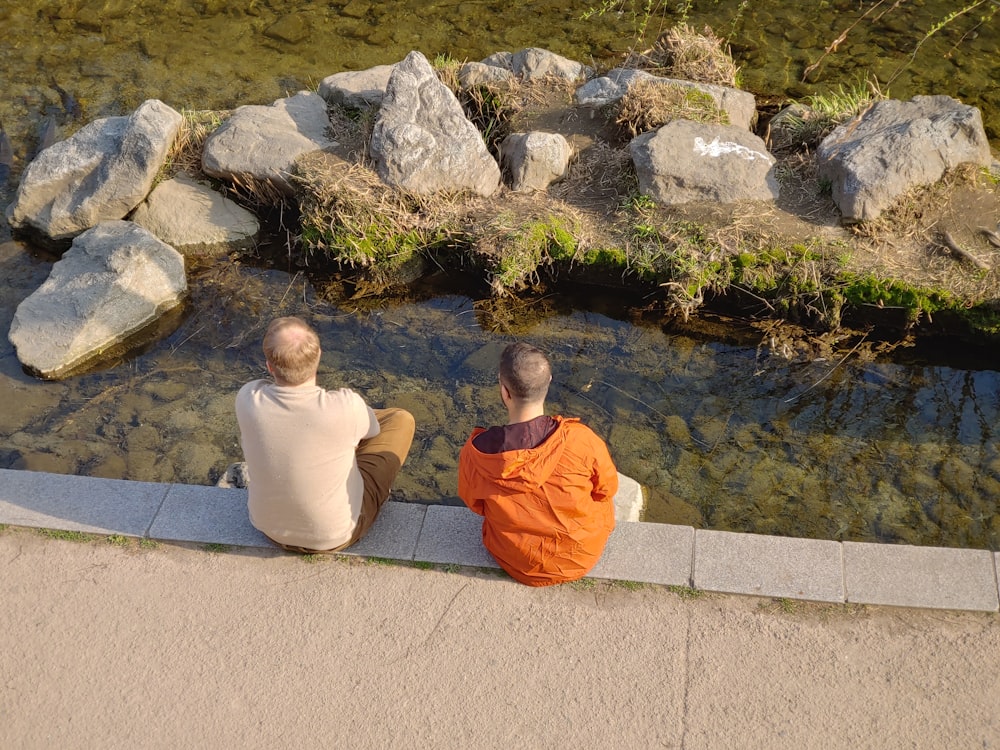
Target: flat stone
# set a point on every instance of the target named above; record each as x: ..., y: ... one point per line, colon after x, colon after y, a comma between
x: 453, y: 536
x: 394, y: 534
x: 207, y: 515
x: 649, y: 553
x: 194, y: 219
x: 72, y: 503
x: 629, y: 500
x: 908, y: 576
x: 773, y: 566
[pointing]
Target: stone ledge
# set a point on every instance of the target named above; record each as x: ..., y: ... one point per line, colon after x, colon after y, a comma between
x: 728, y: 562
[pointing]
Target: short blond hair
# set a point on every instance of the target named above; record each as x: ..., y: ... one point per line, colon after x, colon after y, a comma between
x: 292, y: 349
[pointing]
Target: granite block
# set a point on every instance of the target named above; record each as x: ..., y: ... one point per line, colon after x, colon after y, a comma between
x: 910, y: 576
x: 209, y: 515
x: 453, y: 536
x: 648, y: 552
x: 759, y: 565
x: 71, y: 503
x: 630, y: 500
x: 394, y: 534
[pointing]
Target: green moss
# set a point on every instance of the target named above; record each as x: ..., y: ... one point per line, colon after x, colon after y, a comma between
x: 869, y: 290
x: 981, y: 320
x: 610, y: 257
x: 522, y: 250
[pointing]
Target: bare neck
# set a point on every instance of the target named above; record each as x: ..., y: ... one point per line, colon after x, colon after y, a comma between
x: 524, y: 412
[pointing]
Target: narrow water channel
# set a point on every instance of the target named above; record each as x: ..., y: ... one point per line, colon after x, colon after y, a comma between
x: 725, y: 432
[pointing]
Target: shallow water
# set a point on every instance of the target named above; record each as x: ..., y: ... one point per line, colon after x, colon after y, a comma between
x: 724, y: 435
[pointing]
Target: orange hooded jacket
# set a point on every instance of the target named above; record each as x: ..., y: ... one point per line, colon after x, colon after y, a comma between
x: 547, y: 511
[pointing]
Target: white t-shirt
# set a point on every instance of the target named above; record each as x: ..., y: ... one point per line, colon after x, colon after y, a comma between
x: 299, y: 442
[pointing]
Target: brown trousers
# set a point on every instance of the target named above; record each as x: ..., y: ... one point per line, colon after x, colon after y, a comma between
x: 379, y: 459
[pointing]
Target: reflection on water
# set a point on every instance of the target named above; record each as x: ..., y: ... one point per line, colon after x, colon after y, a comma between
x: 725, y: 436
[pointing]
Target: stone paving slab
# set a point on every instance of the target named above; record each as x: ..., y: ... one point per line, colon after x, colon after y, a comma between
x: 895, y: 575
x: 648, y: 552
x: 71, y: 503
x: 759, y: 565
x: 908, y: 576
x: 209, y: 515
x: 395, y: 533
x: 453, y: 536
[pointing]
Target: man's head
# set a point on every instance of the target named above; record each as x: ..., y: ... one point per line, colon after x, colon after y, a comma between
x: 525, y: 373
x: 292, y: 351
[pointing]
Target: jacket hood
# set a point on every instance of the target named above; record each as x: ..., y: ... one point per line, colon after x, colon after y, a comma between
x: 528, y: 468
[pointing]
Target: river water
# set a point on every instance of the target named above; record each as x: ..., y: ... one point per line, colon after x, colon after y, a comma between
x: 725, y: 432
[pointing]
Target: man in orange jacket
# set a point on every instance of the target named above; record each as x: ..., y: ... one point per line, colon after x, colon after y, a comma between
x: 545, y: 486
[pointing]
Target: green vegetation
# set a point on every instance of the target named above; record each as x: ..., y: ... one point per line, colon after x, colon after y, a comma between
x: 686, y: 592
x: 215, y: 547
x: 630, y: 585
x: 870, y: 290
x: 515, y: 248
x: 68, y: 536
x: 118, y: 540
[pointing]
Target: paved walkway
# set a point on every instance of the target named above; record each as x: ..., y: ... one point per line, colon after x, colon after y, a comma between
x: 177, y: 645
x: 711, y: 561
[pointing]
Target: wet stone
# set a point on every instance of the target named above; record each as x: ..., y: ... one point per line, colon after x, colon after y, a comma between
x: 44, y: 462
x: 112, y: 466
x: 677, y: 430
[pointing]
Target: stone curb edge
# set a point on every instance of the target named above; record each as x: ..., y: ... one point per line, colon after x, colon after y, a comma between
x: 681, y: 556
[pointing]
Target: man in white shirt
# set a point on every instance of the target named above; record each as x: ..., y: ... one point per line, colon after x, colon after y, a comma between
x: 320, y: 463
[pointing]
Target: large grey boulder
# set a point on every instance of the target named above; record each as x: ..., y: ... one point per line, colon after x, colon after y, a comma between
x: 480, y: 74
x: 194, y: 219
x: 100, y: 173
x: 894, y: 146
x: 689, y: 162
x: 422, y: 141
x: 258, y: 145
x: 356, y: 89
x: 533, y: 64
x: 114, y: 281
x: 534, y: 160
x: 739, y: 106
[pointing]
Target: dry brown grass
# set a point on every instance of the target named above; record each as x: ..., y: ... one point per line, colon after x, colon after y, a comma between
x: 682, y: 52
x: 650, y: 104
x: 196, y: 126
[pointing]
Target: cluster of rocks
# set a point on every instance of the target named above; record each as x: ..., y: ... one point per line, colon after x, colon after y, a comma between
x: 125, y: 266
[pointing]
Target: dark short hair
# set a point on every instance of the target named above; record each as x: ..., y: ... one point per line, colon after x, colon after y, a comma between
x: 526, y: 372
x: 292, y: 348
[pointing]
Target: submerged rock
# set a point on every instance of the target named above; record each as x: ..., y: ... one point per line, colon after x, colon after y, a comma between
x: 114, y: 281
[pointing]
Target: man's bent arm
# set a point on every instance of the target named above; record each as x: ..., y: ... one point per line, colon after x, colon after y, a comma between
x: 605, y: 476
